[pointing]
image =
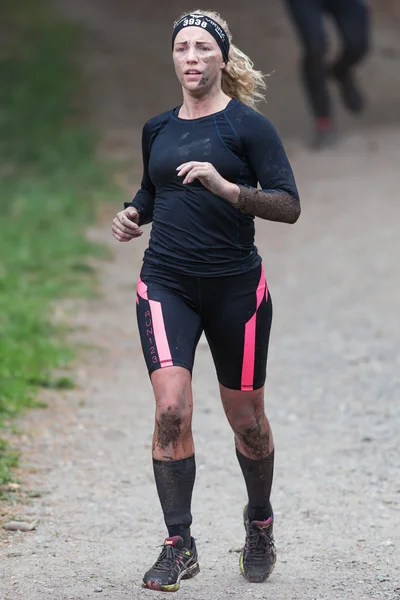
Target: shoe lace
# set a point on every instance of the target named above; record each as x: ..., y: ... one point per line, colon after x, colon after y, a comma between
x: 260, y: 543
x: 169, y: 558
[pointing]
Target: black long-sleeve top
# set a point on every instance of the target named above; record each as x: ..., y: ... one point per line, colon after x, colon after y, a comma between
x: 194, y: 231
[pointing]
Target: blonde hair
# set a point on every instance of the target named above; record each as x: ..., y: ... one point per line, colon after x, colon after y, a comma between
x: 239, y: 78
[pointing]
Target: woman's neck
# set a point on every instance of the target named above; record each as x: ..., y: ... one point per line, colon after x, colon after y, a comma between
x: 197, y: 107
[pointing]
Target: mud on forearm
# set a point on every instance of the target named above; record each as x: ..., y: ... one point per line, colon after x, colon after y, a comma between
x: 272, y: 205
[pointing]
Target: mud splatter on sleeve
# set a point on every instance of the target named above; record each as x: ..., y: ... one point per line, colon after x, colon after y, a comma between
x: 271, y: 205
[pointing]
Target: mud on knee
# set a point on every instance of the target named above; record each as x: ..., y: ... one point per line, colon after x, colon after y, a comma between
x: 250, y: 434
x: 173, y: 421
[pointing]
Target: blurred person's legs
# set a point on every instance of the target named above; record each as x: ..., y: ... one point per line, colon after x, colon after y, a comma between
x: 352, y: 18
x: 308, y: 16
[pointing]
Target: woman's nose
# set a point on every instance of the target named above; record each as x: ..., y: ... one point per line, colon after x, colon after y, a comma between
x: 192, y: 54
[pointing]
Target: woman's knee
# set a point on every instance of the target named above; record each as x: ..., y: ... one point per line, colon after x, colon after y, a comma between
x: 240, y: 406
x: 244, y: 410
x: 246, y: 415
x: 247, y: 426
x: 173, y: 411
x: 173, y: 394
x: 173, y: 420
x: 253, y: 436
x: 171, y: 429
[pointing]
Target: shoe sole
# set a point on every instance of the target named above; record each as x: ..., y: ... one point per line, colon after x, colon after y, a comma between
x: 188, y: 573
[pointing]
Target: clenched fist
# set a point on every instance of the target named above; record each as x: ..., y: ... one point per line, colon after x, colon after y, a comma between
x: 208, y: 176
x: 126, y: 225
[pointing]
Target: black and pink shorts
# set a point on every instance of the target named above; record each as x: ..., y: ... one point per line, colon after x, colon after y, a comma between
x: 234, y: 311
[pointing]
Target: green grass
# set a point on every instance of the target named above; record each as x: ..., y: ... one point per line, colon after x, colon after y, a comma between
x: 50, y: 182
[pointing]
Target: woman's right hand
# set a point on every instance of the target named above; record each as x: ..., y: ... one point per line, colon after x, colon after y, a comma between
x: 126, y: 225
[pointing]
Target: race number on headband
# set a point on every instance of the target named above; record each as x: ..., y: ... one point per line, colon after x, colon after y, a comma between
x: 197, y: 20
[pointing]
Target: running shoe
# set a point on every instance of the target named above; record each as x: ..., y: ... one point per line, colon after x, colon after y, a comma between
x: 258, y: 557
x: 174, y: 563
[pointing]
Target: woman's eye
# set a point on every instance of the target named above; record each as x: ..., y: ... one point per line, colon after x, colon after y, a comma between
x: 205, y: 48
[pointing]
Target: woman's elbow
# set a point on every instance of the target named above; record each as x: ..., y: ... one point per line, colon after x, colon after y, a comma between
x: 295, y: 214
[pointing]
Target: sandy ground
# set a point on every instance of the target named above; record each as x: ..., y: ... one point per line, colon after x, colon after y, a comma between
x: 334, y: 370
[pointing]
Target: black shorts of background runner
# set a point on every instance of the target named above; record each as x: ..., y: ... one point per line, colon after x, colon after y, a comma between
x: 234, y: 311
x: 352, y: 20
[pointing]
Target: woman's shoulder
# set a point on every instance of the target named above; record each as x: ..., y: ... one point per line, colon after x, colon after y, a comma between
x: 251, y: 115
x: 158, y: 121
x: 253, y: 123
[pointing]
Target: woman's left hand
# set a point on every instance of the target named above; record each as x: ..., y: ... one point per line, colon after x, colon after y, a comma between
x: 210, y: 178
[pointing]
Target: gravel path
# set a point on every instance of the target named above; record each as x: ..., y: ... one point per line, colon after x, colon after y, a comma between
x: 334, y: 370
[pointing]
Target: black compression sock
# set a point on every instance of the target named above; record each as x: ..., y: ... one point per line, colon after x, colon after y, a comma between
x: 258, y: 475
x: 175, y: 481
x: 183, y: 532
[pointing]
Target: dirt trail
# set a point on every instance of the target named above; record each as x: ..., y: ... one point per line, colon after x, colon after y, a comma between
x: 334, y: 371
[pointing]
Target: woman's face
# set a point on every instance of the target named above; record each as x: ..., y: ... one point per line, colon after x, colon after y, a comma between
x: 197, y: 59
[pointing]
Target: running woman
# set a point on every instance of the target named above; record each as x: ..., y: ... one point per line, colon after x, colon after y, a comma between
x: 352, y: 20
x: 202, y: 272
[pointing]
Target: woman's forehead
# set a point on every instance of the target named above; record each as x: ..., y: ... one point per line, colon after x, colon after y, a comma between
x: 194, y: 34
